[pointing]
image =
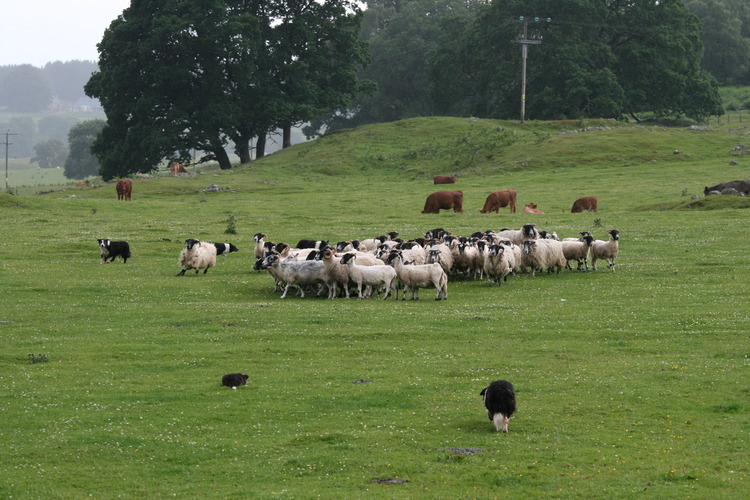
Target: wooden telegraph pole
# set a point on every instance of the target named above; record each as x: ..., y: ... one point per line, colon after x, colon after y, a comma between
x: 525, y: 41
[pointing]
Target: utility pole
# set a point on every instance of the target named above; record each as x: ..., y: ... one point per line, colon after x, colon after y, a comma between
x: 525, y: 41
x: 7, y: 144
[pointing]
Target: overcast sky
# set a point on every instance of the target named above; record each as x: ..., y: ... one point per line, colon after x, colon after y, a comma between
x: 40, y: 31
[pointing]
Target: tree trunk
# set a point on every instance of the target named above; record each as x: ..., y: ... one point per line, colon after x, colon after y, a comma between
x: 242, y: 148
x: 260, y: 146
x: 223, y: 158
x: 287, y: 135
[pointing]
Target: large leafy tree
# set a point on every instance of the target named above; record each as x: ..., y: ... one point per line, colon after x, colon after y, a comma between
x: 597, y: 58
x: 181, y: 75
x: 49, y: 154
x: 400, y: 35
x: 80, y: 162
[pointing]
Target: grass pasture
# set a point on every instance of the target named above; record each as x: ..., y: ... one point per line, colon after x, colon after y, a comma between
x: 628, y: 383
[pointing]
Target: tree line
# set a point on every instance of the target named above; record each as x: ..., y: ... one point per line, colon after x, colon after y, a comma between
x: 614, y: 58
x: 27, y: 89
x: 178, y: 76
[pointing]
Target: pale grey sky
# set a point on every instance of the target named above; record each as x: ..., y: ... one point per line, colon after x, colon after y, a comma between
x: 40, y: 31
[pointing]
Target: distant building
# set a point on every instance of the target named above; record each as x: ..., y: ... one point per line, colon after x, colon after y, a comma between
x: 87, y: 105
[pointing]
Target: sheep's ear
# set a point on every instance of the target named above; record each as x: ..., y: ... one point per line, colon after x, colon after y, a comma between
x: 483, y: 391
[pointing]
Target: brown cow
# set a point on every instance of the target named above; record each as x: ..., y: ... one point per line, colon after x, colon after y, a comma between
x: 176, y: 168
x: 531, y: 209
x: 124, y: 189
x: 445, y: 179
x: 444, y: 200
x: 587, y: 203
x: 500, y: 199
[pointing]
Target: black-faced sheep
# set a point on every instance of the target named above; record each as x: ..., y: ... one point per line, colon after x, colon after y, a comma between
x: 606, y: 250
x: 306, y: 272
x: 497, y: 263
x: 197, y: 255
x: 578, y: 250
x: 500, y: 401
x: 540, y: 254
x: 369, y: 276
x: 415, y: 277
x: 527, y: 232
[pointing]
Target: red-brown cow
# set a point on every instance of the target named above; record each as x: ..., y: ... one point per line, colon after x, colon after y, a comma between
x: 531, y: 209
x: 500, y: 199
x: 587, y: 203
x: 444, y: 200
x: 176, y: 168
x: 445, y: 179
x: 124, y: 189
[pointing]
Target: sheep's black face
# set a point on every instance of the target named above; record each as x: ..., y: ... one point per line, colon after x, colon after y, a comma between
x: 258, y: 237
x: 190, y: 243
x: 615, y: 234
x: 349, y: 257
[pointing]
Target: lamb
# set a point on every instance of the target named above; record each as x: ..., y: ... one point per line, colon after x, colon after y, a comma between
x: 415, y: 277
x: 527, y: 232
x: 306, y: 272
x: 578, y: 250
x: 413, y: 252
x: 197, y: 255
x: 497, y: 264
x: 606, y: 250
x: 500, y: 401
x: 539, y: 254
x: 338, y: 273
x: 370, y: 276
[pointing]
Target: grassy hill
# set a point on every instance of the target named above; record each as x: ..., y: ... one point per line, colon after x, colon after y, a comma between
x: 627, y: 382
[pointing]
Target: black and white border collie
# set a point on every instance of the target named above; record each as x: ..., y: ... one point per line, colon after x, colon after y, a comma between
x: 234, y: 380
x: 500, y: 401
x: 110, y: 249
x: 225, y: 248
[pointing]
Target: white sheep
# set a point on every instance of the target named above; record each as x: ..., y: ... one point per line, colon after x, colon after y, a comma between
x: 539, y: 254
x: 497, y: 263
x: 306, y: 272
x: 338, y: 273
x: 370, y: 276
x: 439, y: 253
x: 526, y: 233
x: 469, y: 261
x: 260, y: 245
x: 577, y: 250
x: 606, y: 250
x: 197, y: 255
x: 415, y: 277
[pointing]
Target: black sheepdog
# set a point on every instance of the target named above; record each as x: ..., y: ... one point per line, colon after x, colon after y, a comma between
x: 500, y: 401
x: 110, y: 249
x: 234, y: 379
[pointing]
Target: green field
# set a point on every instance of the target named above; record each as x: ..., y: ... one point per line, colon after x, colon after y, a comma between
x: 634, y: 383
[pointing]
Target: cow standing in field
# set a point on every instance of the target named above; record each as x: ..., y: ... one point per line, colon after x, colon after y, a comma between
x: 444, y: 200
x: 124, y: 189
x: 500, y: 199
x: 585, y: 204
x: 445, y: 179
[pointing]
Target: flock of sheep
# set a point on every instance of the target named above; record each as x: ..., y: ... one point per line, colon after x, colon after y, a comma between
x: 388, y: 263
